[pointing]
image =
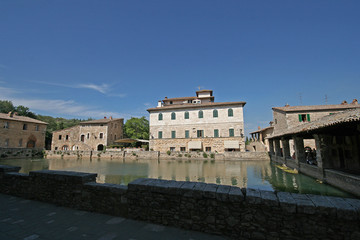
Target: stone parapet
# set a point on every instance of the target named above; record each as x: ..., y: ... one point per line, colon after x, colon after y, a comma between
x: 219, y: 209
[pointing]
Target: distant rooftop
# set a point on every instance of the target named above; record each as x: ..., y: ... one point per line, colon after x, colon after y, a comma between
x: 342, y: 106
x: 100, y: 121
x: 15, y: 117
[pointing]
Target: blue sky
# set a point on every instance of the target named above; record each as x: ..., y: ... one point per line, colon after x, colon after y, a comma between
x: 80, y: 59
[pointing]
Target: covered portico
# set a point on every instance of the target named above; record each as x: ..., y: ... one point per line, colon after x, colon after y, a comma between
x: 337, y: 140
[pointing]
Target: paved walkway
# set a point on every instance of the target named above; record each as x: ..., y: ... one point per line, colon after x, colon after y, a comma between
x: 30, y: 220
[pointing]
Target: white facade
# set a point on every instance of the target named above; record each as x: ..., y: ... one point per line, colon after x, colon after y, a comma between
x: 179, y: 121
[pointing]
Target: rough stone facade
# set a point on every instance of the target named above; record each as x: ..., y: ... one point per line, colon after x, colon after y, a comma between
x: 219, y: 209
x: 179, y: 121
x: 21, y: 132
x: 91, y: 135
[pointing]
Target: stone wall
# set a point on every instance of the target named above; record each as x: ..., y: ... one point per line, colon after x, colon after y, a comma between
x: 20, y: 153
x: 157, y: 155
x: 226, y: 210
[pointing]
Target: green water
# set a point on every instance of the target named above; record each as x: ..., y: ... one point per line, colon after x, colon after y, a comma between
x: 251, y: 174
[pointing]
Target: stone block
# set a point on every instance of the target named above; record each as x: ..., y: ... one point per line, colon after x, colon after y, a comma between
x: 236, y: 195
x: 343, y: 209
x: 174, y: 187
x: 222, y: 193
x: 253, y: 196
x: 6, y: 168
x: 138, y: 184
x: 303, y: 203
x: 323, y: 205
x: 210, y: 190
x: 287, y: 202
x: 187, y: 189
x: 63, y: 176
x: 199, y: 190
x: 269, y: 198
x: 355, y: 203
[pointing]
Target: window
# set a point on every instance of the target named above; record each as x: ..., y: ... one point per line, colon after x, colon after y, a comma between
x: 173, y: 116
x: 88, y: 135
x: 208, y: 149
x: 230, y: 112
x: 67, y: 137
x: 25, y: 127
x: 160, y: 134
x: 172, y: 149
x: 187, y: 134
x: 182, y: 149
x: 37, y: 128
x: 6, y: 124
x: 101, y: 135
x: 82, y: 138
x: 200, y: 133
x: 201, y: 114
x: 231, y: 132
x: 215, y: 113
x: 59, y: 137
x: 6, y: 142
x: 186, y: 115
x: 173, y: 134
x: 216, y: 132
x: 20, y: 143
x: 171, y: 102
x: 160, y: 117
x: 304, y: 117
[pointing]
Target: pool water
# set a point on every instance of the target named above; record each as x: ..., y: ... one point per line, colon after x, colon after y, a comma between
x: 250, y: 174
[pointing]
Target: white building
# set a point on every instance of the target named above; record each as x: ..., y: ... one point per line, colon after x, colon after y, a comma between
x: 197, y: 123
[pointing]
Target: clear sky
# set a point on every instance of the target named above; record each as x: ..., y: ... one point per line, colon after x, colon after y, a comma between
x: 83, y: 58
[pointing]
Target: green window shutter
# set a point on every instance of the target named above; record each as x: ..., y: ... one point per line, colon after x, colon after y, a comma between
x: 173, y: 134
x: 201, y: 114
x: 300, y: 119
x: 160, y: 117
x: 230, y: 112
x: 186, y: 133
x: 186, y: 115
x: 173, y: 116
x: 216, y: 132
x: 215, y: 113
x: 231, y: 132
x: 160, y: 134
x: 308, y: 117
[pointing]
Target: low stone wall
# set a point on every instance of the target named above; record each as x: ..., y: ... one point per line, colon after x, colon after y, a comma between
x: 157, y: 155
x: 226, y: 210
x: 20, y: 153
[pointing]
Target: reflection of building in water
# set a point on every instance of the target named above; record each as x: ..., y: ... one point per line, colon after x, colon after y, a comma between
x: 224, y: 172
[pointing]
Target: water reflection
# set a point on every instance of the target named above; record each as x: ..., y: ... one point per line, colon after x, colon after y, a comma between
x: 252, y: 174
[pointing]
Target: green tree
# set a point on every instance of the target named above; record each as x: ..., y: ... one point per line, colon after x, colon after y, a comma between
x: 6, y: 106
x: 137, y: 128
x: 24, y: 111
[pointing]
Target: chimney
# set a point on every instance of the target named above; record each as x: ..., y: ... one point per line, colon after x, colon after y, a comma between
x: 105, y: 117
x: 344, y: 102
x: 165, y: 97
x: 110, y: 117
x: 355, y: 101
x: 11, y: 114
x: 287, y: 105
x: 259, y: 127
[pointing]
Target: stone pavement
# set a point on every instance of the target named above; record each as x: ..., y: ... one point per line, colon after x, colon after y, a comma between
x: 30, y: 220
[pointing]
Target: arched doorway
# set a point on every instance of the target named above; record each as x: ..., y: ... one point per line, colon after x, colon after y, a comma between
x: 65, y: 147
x: 31, y: 142
x: 100, y: 147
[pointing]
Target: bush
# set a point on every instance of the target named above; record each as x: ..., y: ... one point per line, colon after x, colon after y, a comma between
x: 168, y: 152
x: 180, y: 155
x: 212, y: 155
x: 205, y: 155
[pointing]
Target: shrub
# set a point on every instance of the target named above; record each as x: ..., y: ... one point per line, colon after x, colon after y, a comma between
x: 168, y: 152
x: 205, y: 155
x: 212, y: 155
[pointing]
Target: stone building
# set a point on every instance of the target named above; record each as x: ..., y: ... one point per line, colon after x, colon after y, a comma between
x: 89, y: 135
x: 289, y: 117
x: 259, y: 141
x: 197, y: 124
x: 337, y: 139
x: 21, y: 132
